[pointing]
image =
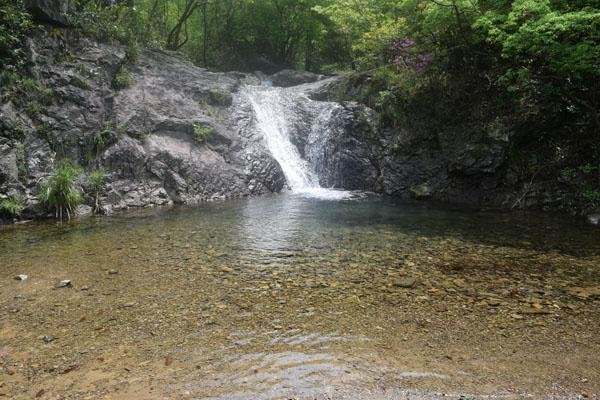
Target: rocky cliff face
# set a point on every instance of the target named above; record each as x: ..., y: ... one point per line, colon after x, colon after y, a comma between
x: 175, y: 134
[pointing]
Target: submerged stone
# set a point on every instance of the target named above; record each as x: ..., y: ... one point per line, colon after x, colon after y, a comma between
x: 405, y: 283
x: 48, y: 338
x: 64, y: 284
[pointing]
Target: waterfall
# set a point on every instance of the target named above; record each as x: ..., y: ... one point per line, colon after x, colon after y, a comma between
x: 274, y: 107
x: 279, y: 112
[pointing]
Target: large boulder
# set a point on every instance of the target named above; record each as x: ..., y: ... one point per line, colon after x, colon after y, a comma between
x: 53, y: 12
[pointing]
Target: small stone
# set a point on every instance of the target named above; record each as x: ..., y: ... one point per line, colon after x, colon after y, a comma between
x: 64, y: 284
x: 21, y: 277
x: 594, y: 219
x: 405, y: 283
x: 113, y: 272
x: 48, y: 338
x: 227, y: 269
x: 85, y: 288
x: 459, y: 282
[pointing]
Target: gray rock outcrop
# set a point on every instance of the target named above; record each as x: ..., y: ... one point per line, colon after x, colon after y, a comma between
x: 55, y: 12
x: 175, y: 134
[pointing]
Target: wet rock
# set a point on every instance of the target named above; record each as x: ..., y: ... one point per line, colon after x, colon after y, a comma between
x: 343, y: 157
x: 21, y: 277
x: 64, y: 284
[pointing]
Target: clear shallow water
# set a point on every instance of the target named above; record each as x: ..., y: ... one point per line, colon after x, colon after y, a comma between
x: 292, y: 295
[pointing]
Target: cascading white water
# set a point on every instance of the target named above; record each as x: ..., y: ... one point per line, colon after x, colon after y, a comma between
x: 275, y: 109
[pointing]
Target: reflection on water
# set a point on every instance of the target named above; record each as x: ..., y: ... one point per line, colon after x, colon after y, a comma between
x: 293, y: 295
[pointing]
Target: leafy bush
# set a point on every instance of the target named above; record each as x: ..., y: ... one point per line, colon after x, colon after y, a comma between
x: 201, y: 132
x: 60, y: 192
x: 12, y: 206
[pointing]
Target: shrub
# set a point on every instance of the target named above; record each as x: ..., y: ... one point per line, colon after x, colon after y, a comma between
x: 201, y: 132
x: 60, y: 193
x: 102, y: 137
x: 12, y: 206
x: 122, y: 78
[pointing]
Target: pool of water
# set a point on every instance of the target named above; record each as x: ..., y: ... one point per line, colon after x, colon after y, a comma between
x: 295, y: 296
